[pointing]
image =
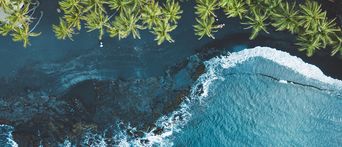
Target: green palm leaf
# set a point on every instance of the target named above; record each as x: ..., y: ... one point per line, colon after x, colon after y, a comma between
x: 5, y: 29
x: 256, y: 23
x: 205, y: 27
x: 206, y: 8
x: 23, y: 35
x: 308, y: 44
x: 286, y: 18
x: 126, y: 24
x: 63, y: 31
x: 71, y: 6
x: 150, y: 14
x: 119, y: 5
x: 96, y: 21
x: 96, y: 6
x: 74, y: 20
x: 326, y: 30
x: 162, y: 32
x: 311, y: 15
x: 235, y: 8
x: 172, y: 11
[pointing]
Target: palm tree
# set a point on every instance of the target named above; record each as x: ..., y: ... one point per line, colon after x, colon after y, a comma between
x: 256, y: 23
x: 63, y: 31
x: 326, y: 30
x: 119, y: 5
x: 172, y: 11
x: 23, y: 35
x: 308, y: 44
x: 311, y: 15
x: 71, y: 6
x: 206, y: 8
x: 285, y: 17
x: 150, y: 14
x: 19, y: 16
x: 127, y: 23
x: 74, y: 20
x: 96, y: 21
x: 162, y: 31
x: 235, y: 8
x: 205, y: 27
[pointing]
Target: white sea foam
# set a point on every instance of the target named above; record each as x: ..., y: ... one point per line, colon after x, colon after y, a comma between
x: 283, y: 81
x: 6, y: 138
x: 282, y: 58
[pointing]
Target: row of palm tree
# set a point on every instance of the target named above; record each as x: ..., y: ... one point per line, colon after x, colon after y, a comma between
x: 17, y: 19
x: 122, y: 18
x: 308, y: 21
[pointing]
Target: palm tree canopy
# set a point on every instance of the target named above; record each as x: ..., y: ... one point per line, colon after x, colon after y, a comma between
x: 23, y: 35
x: 235, y: 8
x: 206, y: 8
x: 63, y: 31
x: 162, y: 32
x: 311, y: 15
x: 205, y: 27
x: 150, y: 14
x: 172, y: 11
x: 256, y: 23
x: 286, y: 18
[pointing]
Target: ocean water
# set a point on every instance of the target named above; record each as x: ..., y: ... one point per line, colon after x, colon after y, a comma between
x: 255, y: 101
x: 252, y: 97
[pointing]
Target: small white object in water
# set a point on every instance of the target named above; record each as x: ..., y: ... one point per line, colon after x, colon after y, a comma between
x: 59, y: 10
x: 101, y: 44
x: 283, y: 81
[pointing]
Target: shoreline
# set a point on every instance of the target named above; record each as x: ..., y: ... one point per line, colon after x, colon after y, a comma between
x: 328, y: 64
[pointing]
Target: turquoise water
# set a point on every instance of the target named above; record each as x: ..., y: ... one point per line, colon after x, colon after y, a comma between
x: 246, y: 108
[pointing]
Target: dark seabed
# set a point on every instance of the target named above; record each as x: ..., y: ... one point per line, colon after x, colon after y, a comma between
x: 136, y: 93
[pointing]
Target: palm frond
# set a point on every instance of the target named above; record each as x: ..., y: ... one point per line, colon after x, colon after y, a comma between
x: 311, y: 15
x: 162, y: 31
x: 206, y: 8
x: 172, y: 11
x: 286, y: 18
x: 205, y: 27
x: 256, y: 23
x: 63, y: 31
